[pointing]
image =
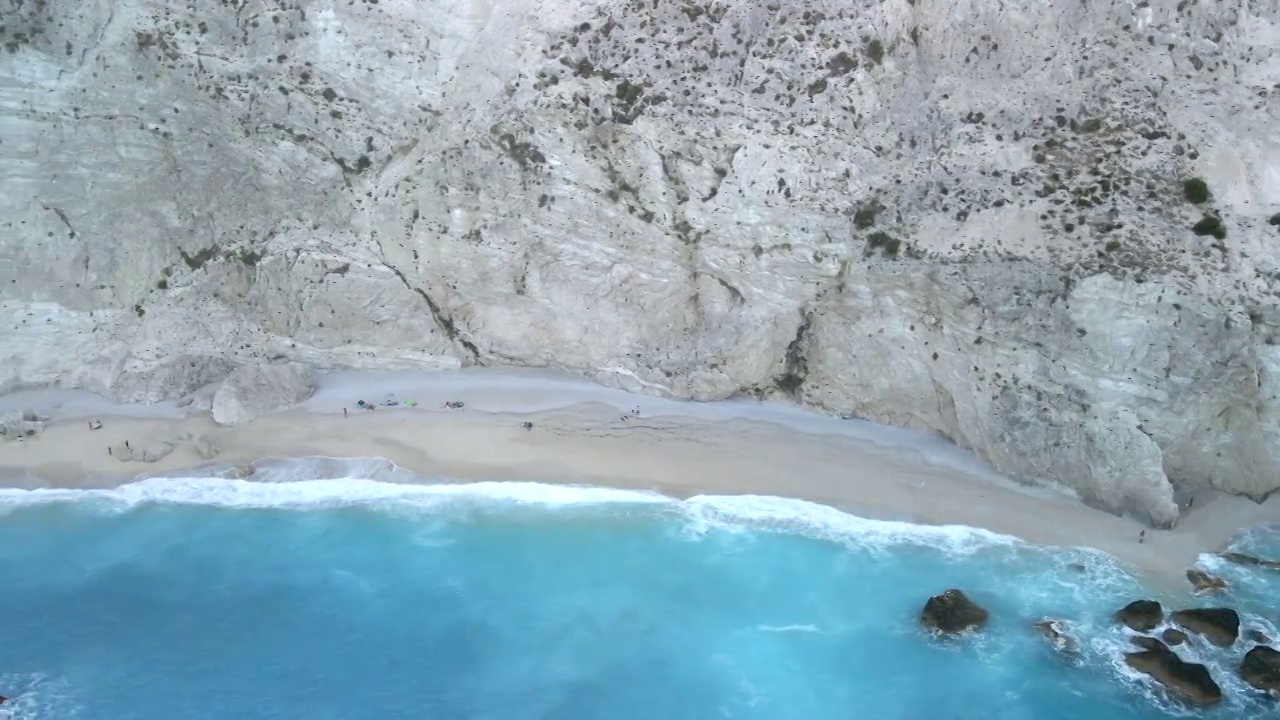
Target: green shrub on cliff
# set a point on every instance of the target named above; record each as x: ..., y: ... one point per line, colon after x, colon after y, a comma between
x: 1195, y: 190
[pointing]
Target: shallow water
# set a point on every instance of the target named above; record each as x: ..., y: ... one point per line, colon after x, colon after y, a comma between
x: 353, y: 596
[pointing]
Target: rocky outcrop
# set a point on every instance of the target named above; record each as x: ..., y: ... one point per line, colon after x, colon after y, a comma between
x: 154, y: 452
x: 952, y: 612
x: 1204, y: 582
x: 21, y: 423
x: 1141, y: 615
x: 1220, y: 626
x: 255, y: 390
x: 207, y: 447
x: 1261, y: 668
x: 1173, y: 637
x: 933, y: 214
x: 1188, y: 681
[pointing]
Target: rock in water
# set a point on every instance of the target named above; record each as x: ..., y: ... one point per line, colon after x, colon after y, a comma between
x: 254, y: 390
x: 1220, y: 626
x: 1141, y: 615
x: 952, y: 612
x: 1055, y: 632
x: 1148, y: 643
x: 1250, y: 561
x: 1189, y: 681
x: 1257, y: 636
x: 1204, y: 582
x: 1174, y: 637
x: 1261, y: 668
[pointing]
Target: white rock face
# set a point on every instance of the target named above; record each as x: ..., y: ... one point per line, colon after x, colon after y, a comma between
x: 254, y: 390
x: 953, y: 215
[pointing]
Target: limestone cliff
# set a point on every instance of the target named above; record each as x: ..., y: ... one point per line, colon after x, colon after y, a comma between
x: 965, y: 216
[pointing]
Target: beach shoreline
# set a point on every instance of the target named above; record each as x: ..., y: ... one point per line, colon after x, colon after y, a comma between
x: 593, y: 437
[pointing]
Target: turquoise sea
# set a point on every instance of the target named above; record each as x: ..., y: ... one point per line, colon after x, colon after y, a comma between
x: 336, y: 591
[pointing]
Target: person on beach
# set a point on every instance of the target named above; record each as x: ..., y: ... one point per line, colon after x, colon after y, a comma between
x: 1142, y: 536
x: 344, y: 412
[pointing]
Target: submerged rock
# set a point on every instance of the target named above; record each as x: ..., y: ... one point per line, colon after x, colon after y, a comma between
x: 1055, y: 632
x: 1189, y: 681
x: 254, y: 390
x: 238, y: 472
x: 1174, y: 637
x: 1204, y: 582
x: 952, y: 612
x: 1257, y: 636
x: 1220, y: 626
x: 1141, y: 615
x: 1250, y: 561
x: 1261, y: 668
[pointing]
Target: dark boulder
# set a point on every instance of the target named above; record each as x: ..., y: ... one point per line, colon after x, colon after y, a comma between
x: 1261, y: 668
x: 1141, y: 615
x: 1220, y: 626
x: 1203, y: 582
x: 1188, y: 681
x: 1173, y: 637
x: 952, y: 612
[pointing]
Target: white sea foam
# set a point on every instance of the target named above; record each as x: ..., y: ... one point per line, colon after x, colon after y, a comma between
x: 307, y: 494
x: 322, y: 482
x: 36, y: 697
x: 759, y: 512
x: 701, y: 513
x: 787, y: 628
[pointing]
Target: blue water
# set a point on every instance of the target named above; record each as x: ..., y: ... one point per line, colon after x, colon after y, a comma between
x: 354, y: 598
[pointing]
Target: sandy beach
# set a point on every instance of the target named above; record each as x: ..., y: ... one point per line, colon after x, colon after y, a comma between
x: 585, y: 435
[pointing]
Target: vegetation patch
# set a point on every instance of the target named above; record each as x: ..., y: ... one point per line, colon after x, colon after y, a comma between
x: 865, y: 216
x: 1210, y: 225
x: 201, y: 256
x: 883, y: 242
x: 875, y: 50
x: 1195, y: 190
